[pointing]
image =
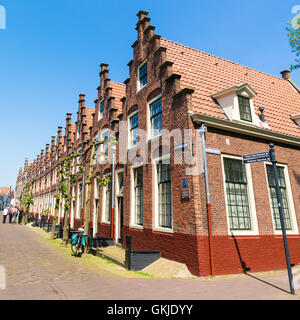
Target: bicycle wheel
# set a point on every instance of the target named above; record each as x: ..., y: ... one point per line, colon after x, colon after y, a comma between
x: 75, y: 248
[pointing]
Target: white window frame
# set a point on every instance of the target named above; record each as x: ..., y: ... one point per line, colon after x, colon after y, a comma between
x: 139, y: 87
x: 130, y: 144
x: 289, y: 199
x: 149, y: 125
x: 102, y: 149
x: 251, y: 199
x: 117, y: 222
x: 156, y: 199
x: 100, y: 115
x: 103, y: 220
x: 132, y: 197
x: 96, y: 197
x: 78, y: 207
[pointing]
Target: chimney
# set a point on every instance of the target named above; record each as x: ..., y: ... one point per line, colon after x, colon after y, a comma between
x: 103, y: 76
x: 286, y: 74
x: 262, y: 115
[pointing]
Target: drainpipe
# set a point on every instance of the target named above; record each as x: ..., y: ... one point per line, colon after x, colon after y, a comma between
x: 202, y: 132
x: 112, y: 191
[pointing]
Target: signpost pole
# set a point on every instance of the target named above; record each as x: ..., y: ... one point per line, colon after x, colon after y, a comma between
x: 287, y: 256
x: 202, y: 131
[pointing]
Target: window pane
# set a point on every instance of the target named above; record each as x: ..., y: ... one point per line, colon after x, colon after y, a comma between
x: 143, y: 75
x: 108, y: 202
x: 237, y: 195
x: 134, y: 129
x: 245, y: 110
x: 273, y: 195
x: 156, y: 117
x: 164, y: 195
x: 138, y: 191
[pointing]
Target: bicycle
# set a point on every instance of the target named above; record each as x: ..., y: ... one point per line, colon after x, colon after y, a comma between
x: 78, y: 243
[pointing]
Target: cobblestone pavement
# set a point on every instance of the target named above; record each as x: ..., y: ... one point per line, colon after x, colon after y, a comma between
x: 38, y: 270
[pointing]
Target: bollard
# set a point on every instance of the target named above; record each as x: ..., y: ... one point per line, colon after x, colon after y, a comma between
x: 128, y: 253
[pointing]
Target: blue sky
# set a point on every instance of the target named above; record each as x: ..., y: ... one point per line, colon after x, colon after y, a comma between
x: 52, y: 49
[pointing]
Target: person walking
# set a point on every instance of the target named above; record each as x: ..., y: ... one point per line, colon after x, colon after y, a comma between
x: 10, y: 214
x: 20, y: 216
x: 5, y: 212
x: 16, y: 213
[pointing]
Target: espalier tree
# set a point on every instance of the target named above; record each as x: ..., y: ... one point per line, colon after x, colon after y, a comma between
x: 70, y: 170
x: 27, y: 199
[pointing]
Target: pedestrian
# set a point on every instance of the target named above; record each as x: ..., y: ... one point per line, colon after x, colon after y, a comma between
x: 5, y: 212
x: 10, y: 214
x: 20, y: 216
x: 16, y: 213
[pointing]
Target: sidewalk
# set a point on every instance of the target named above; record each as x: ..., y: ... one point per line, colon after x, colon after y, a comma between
x: 39, y: 269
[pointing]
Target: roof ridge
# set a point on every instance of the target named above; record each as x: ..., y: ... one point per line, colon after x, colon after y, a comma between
x: 209, y: 54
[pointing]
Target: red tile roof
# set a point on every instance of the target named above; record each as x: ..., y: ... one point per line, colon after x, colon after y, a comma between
x: 4, y: 191
x: 118, y: 91
x: 208, y: 74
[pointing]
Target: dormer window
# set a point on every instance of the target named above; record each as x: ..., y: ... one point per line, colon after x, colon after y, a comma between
x: 245, y: 109
x: 237, y: 104
x: 142, y: 75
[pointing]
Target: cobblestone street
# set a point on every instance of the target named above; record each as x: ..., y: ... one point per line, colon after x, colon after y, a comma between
x: 37, y: 269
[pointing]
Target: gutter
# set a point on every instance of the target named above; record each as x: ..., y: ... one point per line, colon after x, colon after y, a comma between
x: 244, y: 129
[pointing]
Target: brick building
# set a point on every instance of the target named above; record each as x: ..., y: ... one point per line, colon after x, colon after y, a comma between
x: 159, y: 189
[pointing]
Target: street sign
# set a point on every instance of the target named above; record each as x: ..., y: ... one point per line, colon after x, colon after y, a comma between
x: 256, y: 157
x: 212, y: 151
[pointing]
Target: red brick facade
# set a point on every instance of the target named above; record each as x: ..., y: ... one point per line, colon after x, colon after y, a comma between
x: 187, y: 103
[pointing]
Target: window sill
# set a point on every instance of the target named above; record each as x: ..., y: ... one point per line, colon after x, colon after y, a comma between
x: 141, y: 88
x: 136, y: 226
x: 105, y: 222
x: 243, y: 233
x: 165, y: 230
x: 288, y: 232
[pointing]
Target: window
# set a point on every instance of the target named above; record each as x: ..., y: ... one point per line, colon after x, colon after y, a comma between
x: 134, y: 123
x: 142, y: 75
x: 96, y: 206
x: 284, y: 197
x: 120, y: 183
x: 164, y: 195
x: 138, y: 195
x: 101, y: 110
x: 107, y: 202
x: 237, y: 195
x: 78, y: 131
x: 79, y: 200
x: 105, y: 144
x: 244, y: 107
x: 156, y: 117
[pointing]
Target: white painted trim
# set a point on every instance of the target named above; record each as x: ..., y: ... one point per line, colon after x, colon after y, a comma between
x: 117, y: 222
x: 132, y: 223
x: 139, y: 88
x: 290, y: 200
x: 251, y: 200
x: 149, y: 127
x: 130, y: 145
x: 156, y: 215
x: 103, y: 220
x: 99, y: 113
